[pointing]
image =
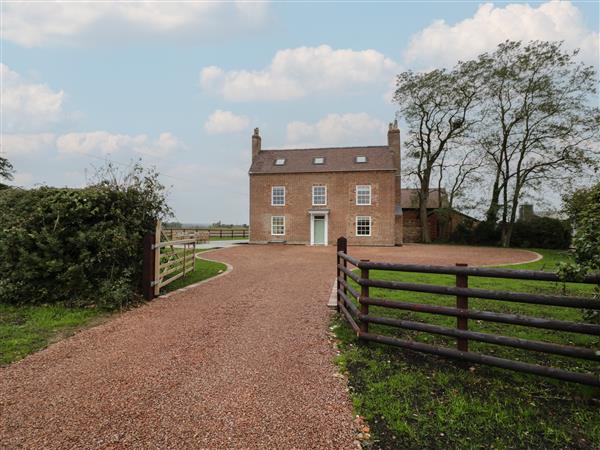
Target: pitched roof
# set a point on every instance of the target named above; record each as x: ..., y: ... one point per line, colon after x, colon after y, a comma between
x: 337, y: 159
x: 409, y: 198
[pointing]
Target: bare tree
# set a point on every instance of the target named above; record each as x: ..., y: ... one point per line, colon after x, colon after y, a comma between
x: 539, y: 126
x: 436, y: 105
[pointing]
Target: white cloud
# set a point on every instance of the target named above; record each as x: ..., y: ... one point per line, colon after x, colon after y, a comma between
x: 15, y: 145
x: 338, y: 129
x: 442, y: 44
x: 295, y: 73
x: 27, y: 105
x: 104, y: 143
x: 53, y: 23
x: 225, y: 122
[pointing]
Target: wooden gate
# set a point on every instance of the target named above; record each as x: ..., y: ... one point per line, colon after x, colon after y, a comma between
x: 166, y: 261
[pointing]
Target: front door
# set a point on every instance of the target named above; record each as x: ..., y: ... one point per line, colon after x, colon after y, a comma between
x: 319, y: 230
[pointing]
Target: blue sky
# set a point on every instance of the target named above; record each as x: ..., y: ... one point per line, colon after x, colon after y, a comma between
x: 182, y: 85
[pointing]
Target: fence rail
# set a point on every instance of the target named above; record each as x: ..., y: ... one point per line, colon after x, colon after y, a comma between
x: 204, y: 234
x: 359, y: 316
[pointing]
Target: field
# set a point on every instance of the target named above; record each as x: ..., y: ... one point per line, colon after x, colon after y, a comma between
x: 413, y: 400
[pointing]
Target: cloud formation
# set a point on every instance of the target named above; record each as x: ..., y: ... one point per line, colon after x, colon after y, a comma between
x: 72, y: 24
x: 27, y: 105
x: 337, y: 129
x: 442, y: 44
x: 298, y: 72
x: 14, y: 145
x: 225, y: 122
x: 104, y: 143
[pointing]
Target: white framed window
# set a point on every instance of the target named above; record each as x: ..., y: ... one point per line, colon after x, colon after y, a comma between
x: 277, y: 225
x: 278, y: 196
x: 319, y: 195
x: 360, y: 159
x: 363, y: 195
x: 319, y: 160
x: 280, y: 161
x: 363, y: 225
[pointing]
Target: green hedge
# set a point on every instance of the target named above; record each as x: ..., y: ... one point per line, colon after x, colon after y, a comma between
x: 536, y: 232
x: 73, y: 246
x: 541, y: 232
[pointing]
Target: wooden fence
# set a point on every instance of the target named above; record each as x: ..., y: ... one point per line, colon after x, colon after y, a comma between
x: 204, y: 234
x: 166, y: 260
x: 360, y: 318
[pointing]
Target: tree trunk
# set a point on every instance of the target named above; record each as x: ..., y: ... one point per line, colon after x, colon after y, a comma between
x: 506, y: 234
x: 492, y: 212
x: 424, y: 198
x: 508, y: 225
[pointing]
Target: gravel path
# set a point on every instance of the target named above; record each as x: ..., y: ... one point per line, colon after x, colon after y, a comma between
x: 242, y: 361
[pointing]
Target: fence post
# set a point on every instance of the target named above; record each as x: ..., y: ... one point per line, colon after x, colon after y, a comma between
x: 462, y: 302
x: 194, y: 260
x: 364, y: 292
x: 148, y: 267
x: 156, y: 277
x: 342, y: 246
x: 184, y: 255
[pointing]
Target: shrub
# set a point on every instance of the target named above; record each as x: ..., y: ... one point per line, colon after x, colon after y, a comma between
x: 541, y: 232
x: 583, y: 207
x: 77, y: 246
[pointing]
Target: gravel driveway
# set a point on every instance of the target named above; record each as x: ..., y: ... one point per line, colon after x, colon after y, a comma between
x: 242, y: 361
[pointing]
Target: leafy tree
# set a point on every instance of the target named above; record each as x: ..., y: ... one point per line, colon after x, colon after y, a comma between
x: 538, y: 125
x: 6, y: 171
x: 436, y: 105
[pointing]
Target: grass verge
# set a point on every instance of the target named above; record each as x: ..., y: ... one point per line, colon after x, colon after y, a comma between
x: 228, y: 238
x: 26, y: 329
x: 413, y: 400
x: 204, y: 270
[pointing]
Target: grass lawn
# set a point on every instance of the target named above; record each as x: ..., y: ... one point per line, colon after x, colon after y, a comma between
x: 414, y: 400
x: 204, y: 270
x: 228, y: 238
x: 27, y: 329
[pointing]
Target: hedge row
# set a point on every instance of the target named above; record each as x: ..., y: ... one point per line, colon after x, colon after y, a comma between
x: 74, y: 246
x: 537, y: 232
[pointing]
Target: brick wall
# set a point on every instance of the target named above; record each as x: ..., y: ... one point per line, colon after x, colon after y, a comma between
x: 341, y: 202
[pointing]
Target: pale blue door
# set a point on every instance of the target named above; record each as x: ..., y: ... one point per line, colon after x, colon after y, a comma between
x: 319, y: 230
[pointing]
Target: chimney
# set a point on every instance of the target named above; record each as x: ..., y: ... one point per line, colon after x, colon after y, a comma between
x: 255, y: 144
x: 394, y: 146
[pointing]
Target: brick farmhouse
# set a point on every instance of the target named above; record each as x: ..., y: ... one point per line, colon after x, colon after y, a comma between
x: 315, y: 195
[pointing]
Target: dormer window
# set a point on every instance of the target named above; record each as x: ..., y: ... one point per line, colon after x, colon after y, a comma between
x: 280, y: 161
x: 360, y: 159
x: 319, y: 160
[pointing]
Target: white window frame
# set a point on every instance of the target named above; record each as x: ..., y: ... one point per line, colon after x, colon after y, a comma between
x: 321, y: 160
x: 281, y: 225
x: 360, y: 159
x: 324, y: 195
x: 364, y: 186
x: 278, y: 163
x: 370, y: 226
x: 273, y: 196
